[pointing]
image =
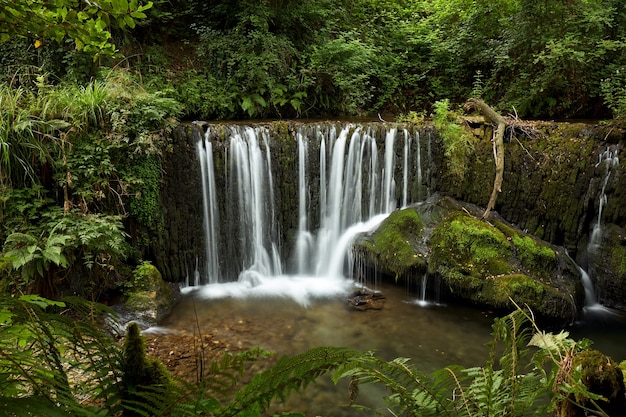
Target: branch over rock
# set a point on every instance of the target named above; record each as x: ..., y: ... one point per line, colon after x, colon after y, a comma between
x: 498, y: 146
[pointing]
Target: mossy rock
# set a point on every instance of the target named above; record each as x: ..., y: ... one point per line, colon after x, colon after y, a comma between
x: 496, y: 264
x: 601, y: 376
x: 607, y: 265
x: 150, y: 298
x: 395, y: 247
x: 532, y: 254
x: 545, y: 300
x: 466, y: 250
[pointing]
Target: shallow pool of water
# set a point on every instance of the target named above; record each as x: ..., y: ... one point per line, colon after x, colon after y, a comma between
x: 433, y: 336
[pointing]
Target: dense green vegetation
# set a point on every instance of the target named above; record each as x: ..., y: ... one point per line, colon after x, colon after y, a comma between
x: 89, y: 90
x: 57, y: 359
x: 233, y: 59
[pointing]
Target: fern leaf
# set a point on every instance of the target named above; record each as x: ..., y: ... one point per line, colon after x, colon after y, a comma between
x: 291, y: 373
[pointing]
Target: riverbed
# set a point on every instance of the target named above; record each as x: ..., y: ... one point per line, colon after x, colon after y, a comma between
x: 433, y: 335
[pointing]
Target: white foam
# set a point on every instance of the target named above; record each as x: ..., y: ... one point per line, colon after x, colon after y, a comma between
x: 301, y: 289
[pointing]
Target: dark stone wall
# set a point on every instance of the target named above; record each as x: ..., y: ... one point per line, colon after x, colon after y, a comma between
x: 179, y: 244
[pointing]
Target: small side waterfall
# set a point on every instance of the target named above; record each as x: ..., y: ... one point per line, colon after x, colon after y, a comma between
x: 342, y: 191
x: 608, y: 159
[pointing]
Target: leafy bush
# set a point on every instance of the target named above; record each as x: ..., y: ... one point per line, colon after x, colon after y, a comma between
x: 457, y: 142
x: 505, y: 385
x: 614, y: 92
x: 40, y: 251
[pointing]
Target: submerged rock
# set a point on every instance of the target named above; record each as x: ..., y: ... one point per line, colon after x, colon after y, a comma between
x: 366, y: 300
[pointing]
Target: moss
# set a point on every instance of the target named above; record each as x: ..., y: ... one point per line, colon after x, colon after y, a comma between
x: 393, y: 243
x: 618, y: 259
x: 146, y: 172
x: 602, y: 376
x: 147, y: 277
x: 148, y: 296
x: 494, y: 264
x: 473, y: 247
x: 532, y: 254
x: 140, y: 373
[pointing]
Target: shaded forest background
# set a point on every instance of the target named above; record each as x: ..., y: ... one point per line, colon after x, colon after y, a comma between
x: 91, y: 91
x: 285, y: 58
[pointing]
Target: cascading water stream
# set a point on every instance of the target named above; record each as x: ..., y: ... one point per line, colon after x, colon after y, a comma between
x: 355, y: 194
x: 209, y: 202
x: 610, y: 159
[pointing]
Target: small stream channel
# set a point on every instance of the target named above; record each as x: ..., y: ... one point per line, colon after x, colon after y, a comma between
x: 433, y: 336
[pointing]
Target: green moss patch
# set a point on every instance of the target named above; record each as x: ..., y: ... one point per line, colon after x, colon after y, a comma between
x: 393, y: 244
x: 542, y: 298
x: 493, y: 265
x: 465, y: 249
x: 534, y: 255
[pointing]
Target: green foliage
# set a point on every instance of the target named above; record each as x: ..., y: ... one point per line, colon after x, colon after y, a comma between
x: 613, y: 90
x: 98, y: 241
x: 53, y: 352
x: 145, y: 205
x: 250, y: 66
x: 87, y: 24
x: 345, y: 70
x: 457, y: 142
x: 20, y: 143
x: 33, y: 256
x: 515, y: 381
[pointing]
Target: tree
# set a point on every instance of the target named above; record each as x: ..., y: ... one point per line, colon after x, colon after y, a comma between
x: 87, y: 22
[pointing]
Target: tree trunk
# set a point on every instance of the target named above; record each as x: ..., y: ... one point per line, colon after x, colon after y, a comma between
x: 498, y: 147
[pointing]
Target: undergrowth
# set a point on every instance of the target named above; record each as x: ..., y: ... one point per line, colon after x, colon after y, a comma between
x: 58, y: 358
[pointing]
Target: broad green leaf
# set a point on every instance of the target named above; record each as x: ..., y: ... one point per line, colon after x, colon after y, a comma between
x: 40, y: 301
x: 129, y: 21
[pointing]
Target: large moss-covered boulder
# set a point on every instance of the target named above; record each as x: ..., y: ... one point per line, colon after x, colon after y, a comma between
x: 149, y: 298
x: 396, y: 248
x: 494, y: 264
x: 489, y: 263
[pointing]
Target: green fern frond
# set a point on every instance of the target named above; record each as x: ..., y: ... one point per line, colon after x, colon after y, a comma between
x: 42, y: 344
x: 412, y: 392
x: 291, y: 373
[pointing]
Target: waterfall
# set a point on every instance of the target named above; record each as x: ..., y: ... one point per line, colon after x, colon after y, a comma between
x: 609, y: 158
x: 418, y: 162
x: 209, y: 203
x: 338, y: 174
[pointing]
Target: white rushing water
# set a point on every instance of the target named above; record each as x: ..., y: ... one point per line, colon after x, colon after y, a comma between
x: 211, y: 217
x: 609, y: 159
x: 355, y: 194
